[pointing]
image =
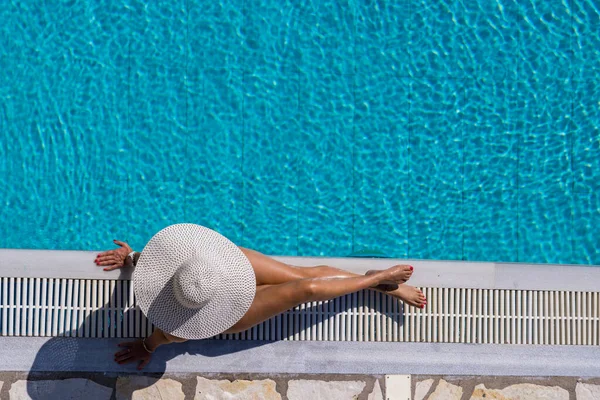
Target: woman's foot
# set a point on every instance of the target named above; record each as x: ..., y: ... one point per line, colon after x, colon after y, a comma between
x: 408, y: 294
x: 393, y: 275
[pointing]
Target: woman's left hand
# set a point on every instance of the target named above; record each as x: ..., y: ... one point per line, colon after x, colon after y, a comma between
x: 133, y: 351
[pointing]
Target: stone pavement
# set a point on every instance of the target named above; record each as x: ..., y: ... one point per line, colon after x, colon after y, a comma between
x: 96, y: 386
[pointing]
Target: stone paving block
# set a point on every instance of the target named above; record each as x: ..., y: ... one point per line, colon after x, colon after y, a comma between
x: 321, y: 390
x: 520, y: 391
x: 446, y: 391
x: 585, y: 391
x: 67, y: 389
x: 146, y: 388
x: 376, y: 394
x: 422, y: 388
x: 209, y: 389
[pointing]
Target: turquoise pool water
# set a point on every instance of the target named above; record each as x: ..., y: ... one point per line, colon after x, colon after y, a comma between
x: 421, y: 129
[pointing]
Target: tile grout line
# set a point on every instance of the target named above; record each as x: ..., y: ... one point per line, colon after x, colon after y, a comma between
x: 409, y: 164
x: 571, y: 138
x: 129, y: 95
x: 572, y: 134
x: 462, y: 205
x: 352, y: 147
x: 518, y: 134
x: 298, y: 97
x: 353, y: 155
x: 186, y: 88
x: 244, y: 188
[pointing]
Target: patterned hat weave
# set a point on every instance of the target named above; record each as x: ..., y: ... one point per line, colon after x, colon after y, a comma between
x: 193, y: 282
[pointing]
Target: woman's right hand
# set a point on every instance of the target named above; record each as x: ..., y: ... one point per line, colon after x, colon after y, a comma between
x: 113, y: 259
x: 134, y: 351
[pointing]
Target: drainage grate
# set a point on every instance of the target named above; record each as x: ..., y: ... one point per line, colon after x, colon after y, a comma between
x: 106, y: 308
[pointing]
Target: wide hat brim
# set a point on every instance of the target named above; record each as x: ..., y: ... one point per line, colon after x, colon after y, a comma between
x: 155, y: 271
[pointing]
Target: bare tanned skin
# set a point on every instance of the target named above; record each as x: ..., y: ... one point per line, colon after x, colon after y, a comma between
x: 279, y: 287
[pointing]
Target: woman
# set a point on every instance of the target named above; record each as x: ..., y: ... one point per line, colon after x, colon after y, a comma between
x: 193, y: 283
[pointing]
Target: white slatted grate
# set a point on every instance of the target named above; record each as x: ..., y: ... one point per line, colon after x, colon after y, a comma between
x: 106, y: 308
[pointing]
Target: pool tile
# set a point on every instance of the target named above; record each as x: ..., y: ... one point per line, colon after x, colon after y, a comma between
x: 436, y: 138
x: 382, y: 37
x: 325, y: 207
x: 540, y: 111
x: 545, y: 226
x: 271, y: 135
x: 451, y: 40
x: 544, y: 40
x: 270, y: 219
x: 380, y: 164
x: 63, y: 100
x: 327, y: 43
x: 215, y: 123
x: 158, y: 115
x: 5, y: 137
x: 585, y: 41
x: 491, y: 225
x: 216, y: 33
x: 93, y: 32
x: 65, y: 127
x: 380, y: 222
x: 586, y: 225
x: 158, y: 205
x: 270, y: 162
x: 325, y: 168
x: 586, y: 136
x: 159, y: 32
x: 34, y: 207
x: 435, y: 223
x: 214, y: 181
x: 435, y: 47
x: 273, y: 36
x: 217, y: 205
x: 103, y: 213
x: 486, y: 48
x: 490, y: 142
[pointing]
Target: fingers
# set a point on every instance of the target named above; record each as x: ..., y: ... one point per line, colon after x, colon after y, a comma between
x: 119, y: 243
x: 126, y: 344
x: 122, y: 353
x: 143, y: 363
x: 109, y: 261
x: 108, y: 257
x: 106, y: 253
x: 123, y: 358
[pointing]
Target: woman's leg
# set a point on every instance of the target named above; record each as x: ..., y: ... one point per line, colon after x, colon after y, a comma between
x: 272, y: 300
x: 269, y: 271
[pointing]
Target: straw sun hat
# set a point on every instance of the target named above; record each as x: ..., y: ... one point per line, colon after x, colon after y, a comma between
x: 193, y: 282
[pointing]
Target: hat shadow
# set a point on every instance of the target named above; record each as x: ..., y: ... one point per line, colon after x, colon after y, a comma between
x: 73, y: 356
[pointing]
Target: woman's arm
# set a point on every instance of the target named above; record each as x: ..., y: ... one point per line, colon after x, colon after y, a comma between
x: 158, y: 338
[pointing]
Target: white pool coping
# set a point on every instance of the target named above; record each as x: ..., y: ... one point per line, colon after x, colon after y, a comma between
x: 428, y: 273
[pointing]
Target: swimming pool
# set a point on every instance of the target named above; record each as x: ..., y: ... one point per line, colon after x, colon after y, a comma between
x: 411, y: 129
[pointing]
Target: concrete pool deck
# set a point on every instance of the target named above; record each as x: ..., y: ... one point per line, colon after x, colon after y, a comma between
x: 306, y: 357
